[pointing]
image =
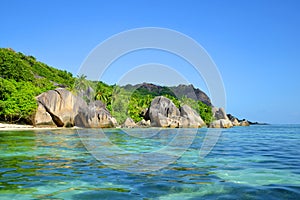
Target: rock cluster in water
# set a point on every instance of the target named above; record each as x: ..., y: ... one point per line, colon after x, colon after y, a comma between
x: 61, y: 108
x: 222, y: 120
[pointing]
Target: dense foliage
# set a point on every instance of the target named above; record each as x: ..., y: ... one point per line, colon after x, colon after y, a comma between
x: 133, y: 102
x: 21, y: 79
x: 204, y: 110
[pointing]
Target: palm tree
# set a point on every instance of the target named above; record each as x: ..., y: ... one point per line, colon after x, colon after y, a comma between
x: 100, y: 95
x: 81, y: 83
x: 103, y: 93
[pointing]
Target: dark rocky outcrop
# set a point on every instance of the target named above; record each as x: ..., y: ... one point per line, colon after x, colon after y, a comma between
x: 145, y: 114
x: 234, y: 120
x: 257, y: 123
x: 178, y: 91
x: 237, y: 122
x: 191, y: 92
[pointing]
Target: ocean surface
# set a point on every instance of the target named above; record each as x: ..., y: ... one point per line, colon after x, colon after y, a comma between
x: 256, y: 162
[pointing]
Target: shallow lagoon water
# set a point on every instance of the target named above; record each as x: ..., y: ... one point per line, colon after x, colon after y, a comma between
x: 256, y: 162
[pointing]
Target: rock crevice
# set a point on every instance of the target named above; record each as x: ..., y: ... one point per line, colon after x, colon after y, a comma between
x: 61, y: 108
x: 163, y: 113
x: 54, y: 118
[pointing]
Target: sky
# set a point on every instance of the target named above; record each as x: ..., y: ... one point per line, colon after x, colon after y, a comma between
x: 254, y: 44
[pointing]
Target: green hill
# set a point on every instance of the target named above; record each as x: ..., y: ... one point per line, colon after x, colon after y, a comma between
x: 21, y: 79
x: 20, y: 67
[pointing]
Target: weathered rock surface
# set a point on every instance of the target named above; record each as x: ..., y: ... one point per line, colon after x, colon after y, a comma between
x: 193, y: 118
x: 164, y: 113
x: 95, y: 115
x: 60, y: 105
x: 219, y: 113
x: 244, y: 123
x: 144, y: 123
x: 161, y: 111
x: 235, y: 122
x: 221, y: 119
x: 42, y: 117
x: 221, y: 123
x: 61, y: 108
x: 129, y: 123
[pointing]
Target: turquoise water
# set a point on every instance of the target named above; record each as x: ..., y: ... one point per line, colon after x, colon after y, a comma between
x: 257, y: 162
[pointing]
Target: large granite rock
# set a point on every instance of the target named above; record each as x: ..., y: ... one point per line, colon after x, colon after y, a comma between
x: 42, y: 117
x: 193, y: 118
x: 57, y: 107
x: 237, y: 122
x: 234, y: 120
x: 144, y: 124
x: 61, y: 108
x: 221, y: 123
x: 129, y: 123
x: 163, y: 113
x: 244, y: 123
x: 95, y: 115
x: 221, y: 119
x: 219, y: 113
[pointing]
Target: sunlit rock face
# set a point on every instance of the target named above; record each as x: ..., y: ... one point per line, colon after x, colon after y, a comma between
x: 164, y: 113
x: 61, y: 108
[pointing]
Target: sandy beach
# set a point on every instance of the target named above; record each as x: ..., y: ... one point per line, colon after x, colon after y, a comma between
x: 18, y: 127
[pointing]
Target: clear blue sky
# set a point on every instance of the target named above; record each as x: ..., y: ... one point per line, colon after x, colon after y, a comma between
x: 255, y: 44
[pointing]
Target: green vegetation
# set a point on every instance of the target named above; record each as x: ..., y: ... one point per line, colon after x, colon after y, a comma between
x: 20, y: 67
x: 23, y: 77
x: 125, y: 102
x: 204, y: 110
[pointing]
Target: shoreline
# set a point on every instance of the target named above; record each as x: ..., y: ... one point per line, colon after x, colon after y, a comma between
x: 19, y: 127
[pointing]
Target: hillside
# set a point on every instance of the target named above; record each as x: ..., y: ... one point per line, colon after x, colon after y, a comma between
x: 19, y: 67
x: 134, y: 100
x: 177, y: 91
x: 22, y: 78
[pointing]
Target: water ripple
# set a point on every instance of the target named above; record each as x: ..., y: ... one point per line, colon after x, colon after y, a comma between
x: 256, y: 162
